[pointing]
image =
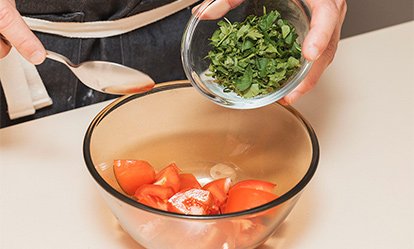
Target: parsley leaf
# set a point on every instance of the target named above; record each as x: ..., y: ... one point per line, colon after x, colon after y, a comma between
x: 256, y: 56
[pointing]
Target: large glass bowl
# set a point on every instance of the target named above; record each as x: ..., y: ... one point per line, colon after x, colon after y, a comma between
x: 196, y: 45
x: 174, y: 123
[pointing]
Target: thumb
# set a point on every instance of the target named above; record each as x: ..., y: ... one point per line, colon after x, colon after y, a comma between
x: 15, y: 30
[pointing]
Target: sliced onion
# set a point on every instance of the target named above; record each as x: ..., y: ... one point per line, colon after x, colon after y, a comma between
x: 222, y: 170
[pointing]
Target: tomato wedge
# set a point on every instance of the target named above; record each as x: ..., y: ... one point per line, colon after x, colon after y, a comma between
x: 154, y: 195
x: 193, y: 201
x: 169, y: 177
x: 219, y: 189
x: 245, y: 198
x: 164, y: 193
x: 154, y: 202
x: 255, y: 184
x: 188, y: 181
x: 131, y: 174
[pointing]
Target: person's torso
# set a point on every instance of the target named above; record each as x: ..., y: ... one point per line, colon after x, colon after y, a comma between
x: 153, y: 49
x: 93, y: 10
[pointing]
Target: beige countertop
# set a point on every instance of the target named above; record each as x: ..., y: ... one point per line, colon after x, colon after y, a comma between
x: 362, y: 195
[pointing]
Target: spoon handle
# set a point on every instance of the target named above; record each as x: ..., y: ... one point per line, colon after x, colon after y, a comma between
x: 49, y: 54
x: 59, y: 58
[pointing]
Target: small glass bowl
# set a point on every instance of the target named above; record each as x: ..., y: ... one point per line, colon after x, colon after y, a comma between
x: 196, y: 45
x: 173, y: 122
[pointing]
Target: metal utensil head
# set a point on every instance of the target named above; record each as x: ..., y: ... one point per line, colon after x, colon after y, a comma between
x: 107, y: 77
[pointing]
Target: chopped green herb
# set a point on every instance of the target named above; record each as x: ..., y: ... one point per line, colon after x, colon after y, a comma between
x: 256, y: 56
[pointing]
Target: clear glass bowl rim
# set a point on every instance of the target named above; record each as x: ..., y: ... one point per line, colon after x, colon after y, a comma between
x: 183, y: 84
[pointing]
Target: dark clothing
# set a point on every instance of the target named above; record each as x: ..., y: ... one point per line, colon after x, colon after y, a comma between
x: 153, y: 49
x: 91, y: 10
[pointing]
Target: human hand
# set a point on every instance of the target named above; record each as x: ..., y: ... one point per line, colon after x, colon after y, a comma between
x: 321, y: 42
x: 319, y: 45
x: 15, y: 32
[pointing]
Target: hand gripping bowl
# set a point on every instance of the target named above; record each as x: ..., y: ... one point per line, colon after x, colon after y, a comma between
x: 196, y: 45
x: 173, y: 122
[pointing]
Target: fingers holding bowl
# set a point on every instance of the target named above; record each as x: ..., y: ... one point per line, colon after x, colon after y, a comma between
x: 320, y: 44
x: 215, y: 9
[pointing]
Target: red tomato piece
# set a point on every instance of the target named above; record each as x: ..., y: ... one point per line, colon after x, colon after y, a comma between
x: 131, y: 174
x: 255, y: 184
x: 154, y: 202
x: 193, y: 201
x: 245, y: 198
x: 219, y: 189
x: 163, y: 193
x: 188, y: 181
x: 169, y: 177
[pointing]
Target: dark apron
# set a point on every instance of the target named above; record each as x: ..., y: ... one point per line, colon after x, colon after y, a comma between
x: 153, y: 49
